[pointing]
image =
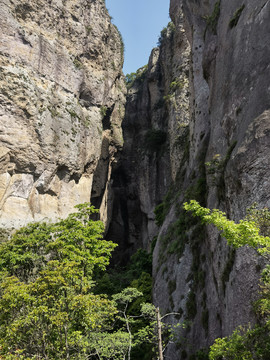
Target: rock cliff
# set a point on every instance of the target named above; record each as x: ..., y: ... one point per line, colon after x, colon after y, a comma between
x: 62, y: 101
x: 197, y: 127
x: 155, y: 129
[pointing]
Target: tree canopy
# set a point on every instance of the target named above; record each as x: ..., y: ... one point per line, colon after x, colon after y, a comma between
x: 47, y: 307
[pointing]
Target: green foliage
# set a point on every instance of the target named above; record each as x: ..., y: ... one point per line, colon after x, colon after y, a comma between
x: 212, y: 20
x: 140, y: 262
x: 154, y: 139
x: 53, y: 111
x: 117, y: 279
x: 122, y: 43
x: 174, y: 241
x: 234, y: 20
x: 132, y: 319
x: 176, y: 84
x: 168, y: 98
x: 261, y: 217
x: 244, y: 233
x: 137, y: 77
x: 162, y: 36
x: 47, y: 305
x: 197, y: 190
x: 144, y: 284
x: 171, y: 26
x: 214, y: 165
x: 47, y: 308
x: 130, y: 78
x: 216, y: 168
x: 166, y: 32
x: 73, y: 114
x: 243, y: 343
x: 78, y: 64
x: 4, y: 234
x: 127, y: 296
x: 262, y: 306
x: 200, y: 355
x: 103, y: 111
x: 110, y: 346
x: 88, y: 29
x: 160, y: 213
x: 136, y: 275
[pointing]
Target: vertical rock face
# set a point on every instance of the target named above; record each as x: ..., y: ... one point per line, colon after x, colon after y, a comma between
x: 61, y: 106
x: 155, y: 128
x: 204, y: 98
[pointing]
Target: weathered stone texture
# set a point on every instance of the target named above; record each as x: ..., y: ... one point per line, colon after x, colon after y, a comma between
x: 229, y: 106
x: 154, y: 129
x: 60, y: 72
x: 220, y: 109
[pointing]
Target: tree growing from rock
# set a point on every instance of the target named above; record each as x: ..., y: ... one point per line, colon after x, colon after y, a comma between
x: 245, y: 343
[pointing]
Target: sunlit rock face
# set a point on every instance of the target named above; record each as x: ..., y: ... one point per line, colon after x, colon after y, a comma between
x: 206, y: 91
x: 61, y: 105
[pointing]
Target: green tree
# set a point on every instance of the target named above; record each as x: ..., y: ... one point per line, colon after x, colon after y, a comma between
x: 47, y: 308
x: 136, y: 274
x: 129, y: 329
x: 261, y: 217
x: 109, y: 345
x: 144, y: 326
x: 124, y: 300
x: 246, y: 232
x: 138, y: 76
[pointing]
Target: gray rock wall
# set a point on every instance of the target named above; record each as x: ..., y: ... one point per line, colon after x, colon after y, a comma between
x: 154, y: 128
x: 210, y: 80
x: 61, y: 105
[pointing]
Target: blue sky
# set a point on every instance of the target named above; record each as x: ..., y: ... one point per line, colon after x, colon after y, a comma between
x: 140, y: 23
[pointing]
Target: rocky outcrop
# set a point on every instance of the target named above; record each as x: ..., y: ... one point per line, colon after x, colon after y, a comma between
x: 205, y: 100
x: 61, y: 105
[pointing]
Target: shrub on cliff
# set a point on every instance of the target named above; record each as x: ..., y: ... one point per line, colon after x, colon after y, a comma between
x: 244, y: 343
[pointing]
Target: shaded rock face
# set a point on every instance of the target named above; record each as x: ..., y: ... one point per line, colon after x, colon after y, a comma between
x: 61, y: 105
x: 154, y: 128
x: 206, y: 90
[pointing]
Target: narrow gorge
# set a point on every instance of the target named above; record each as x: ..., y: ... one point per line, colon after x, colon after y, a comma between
x: 193, y: 124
